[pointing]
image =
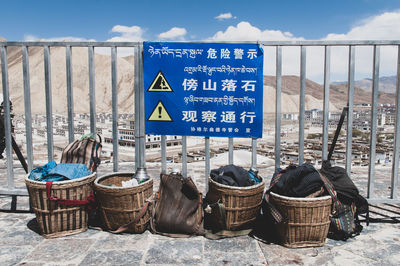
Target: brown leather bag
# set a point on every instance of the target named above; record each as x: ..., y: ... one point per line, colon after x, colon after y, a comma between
x: 177, y: 208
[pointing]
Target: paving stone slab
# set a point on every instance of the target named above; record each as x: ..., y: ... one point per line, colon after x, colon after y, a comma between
x: 176, y: 251
x: 10, y: 255
x: 61, y: 251
x: 237, y: 244
x: 113, y: 257
x: 233, y: 258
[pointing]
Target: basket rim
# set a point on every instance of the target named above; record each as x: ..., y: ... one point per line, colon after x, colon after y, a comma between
x: 262, y: 183
x: 96, y: 181
x: 300, y: 199
x: 60, y: 182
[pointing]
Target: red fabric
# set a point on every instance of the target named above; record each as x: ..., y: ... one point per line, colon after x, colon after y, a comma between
x: 67, y: 202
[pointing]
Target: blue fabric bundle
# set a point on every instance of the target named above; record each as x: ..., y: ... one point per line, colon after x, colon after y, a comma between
x: 58, y: 172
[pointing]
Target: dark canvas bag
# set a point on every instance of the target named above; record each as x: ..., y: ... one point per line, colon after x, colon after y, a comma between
x: 177, y: 208
x: 86, y: 150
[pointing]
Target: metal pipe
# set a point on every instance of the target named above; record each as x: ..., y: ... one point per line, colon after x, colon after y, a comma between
x: 254, y: 154
x: 207, y: 170
x: 327, y: 70
x: 303, y: 57
x: 114, y: 100
x: 230, y: 144
x: 395, y: 166
x: 70, y: 94
x: 374, y: 114
x: 7, y: 116
x: 92, y: 91
x: 350, y: 101
x: 278, y: 106
x: 49, y: 103
x: 163, y: 154
x: 184, y: 157
x: 27, y: 101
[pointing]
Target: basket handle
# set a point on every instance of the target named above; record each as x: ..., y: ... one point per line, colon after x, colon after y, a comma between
x: 142, y: 212
x: 90, y: 199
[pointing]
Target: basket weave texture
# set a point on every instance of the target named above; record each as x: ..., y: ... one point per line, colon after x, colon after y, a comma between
x: 56, y: 220
x: 120, y: 205
x: 242, y: 204
x: 306, y: 220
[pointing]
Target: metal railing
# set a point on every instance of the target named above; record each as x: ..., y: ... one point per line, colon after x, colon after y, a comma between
x: 140, y: 159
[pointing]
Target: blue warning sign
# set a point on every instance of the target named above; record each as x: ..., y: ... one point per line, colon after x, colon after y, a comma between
x: 203, y: 89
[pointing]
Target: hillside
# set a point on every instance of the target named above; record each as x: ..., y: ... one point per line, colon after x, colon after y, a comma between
x: 80, y: 81
x: 337, y: 92
x: 290, y: 85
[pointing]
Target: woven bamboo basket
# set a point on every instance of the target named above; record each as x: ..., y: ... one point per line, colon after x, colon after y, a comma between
x: 57, y: 220
x: 120, y: 205
x: 306, y: 220
x: 242, y: 204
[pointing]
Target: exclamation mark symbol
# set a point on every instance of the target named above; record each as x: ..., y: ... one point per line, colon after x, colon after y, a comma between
x: 159, y: 111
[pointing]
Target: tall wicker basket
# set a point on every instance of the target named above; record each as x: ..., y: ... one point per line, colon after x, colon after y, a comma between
x: 241, y: 204
x: 307, y: 220
x: 120, y: 205
x: 56, y: 220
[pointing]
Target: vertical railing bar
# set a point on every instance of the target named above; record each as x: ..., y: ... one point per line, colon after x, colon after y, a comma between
x: 278, y: 106
x: 70, y: 94
x: 230, y: 148
x: 163, y: 154
x: 254, y: 154
x: 184, y: 157
x: 49, y: 103
x: 142, y: 163
x: 303, y: 57
x: 395, y: 166
x: 92, y: 91
x: 350, y: 101
x: 114, y: 100
x: 207, y: 155
x: 374, y: 111
x: 137, y: 107
x: 28, y: 109
x: 327, y: 70
x: 7, y: 116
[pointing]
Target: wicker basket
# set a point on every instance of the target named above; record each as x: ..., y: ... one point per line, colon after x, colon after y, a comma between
x: 306, y: 220
x: 120, y: 205
x: 242, y: 204
x: 56, y: 220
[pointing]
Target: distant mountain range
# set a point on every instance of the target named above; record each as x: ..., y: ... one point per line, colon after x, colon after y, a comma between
x: 290, y: 85
x: 386, y: 84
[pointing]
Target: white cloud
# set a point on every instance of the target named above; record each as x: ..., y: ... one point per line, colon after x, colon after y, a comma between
x: 127, y: 34
x: 244, y: 31
x: 223, y: 16
x: 30, y: 37
x: 174, y: 33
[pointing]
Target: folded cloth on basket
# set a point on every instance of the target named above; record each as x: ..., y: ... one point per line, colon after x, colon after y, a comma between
x: 233, y: 175
x: 58, y: 172
x: 297, y: 181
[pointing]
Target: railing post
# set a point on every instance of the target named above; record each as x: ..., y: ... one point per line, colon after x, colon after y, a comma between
x: 49, y: 103
x: 350, y: 101
x: 395, y: 166
x: 7, y: 116
x: 278, y: 106
x: 92, y: 91
x: 27, y: 101
x: 302, y: 102
x: 140, y: 141
x: 114, y: 81
x: 70, y: 94
x: 374, y: 111
x: 327, y: 70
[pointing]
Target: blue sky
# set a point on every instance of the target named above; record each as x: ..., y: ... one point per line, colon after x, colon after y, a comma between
x: 308, y: 19
x: 234, y: 20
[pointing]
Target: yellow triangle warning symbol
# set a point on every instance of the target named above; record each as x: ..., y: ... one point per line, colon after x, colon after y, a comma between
x: 160, y: 84
x: 160, y: 114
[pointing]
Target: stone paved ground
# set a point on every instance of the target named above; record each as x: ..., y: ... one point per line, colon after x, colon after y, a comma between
x: 378, y: 244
